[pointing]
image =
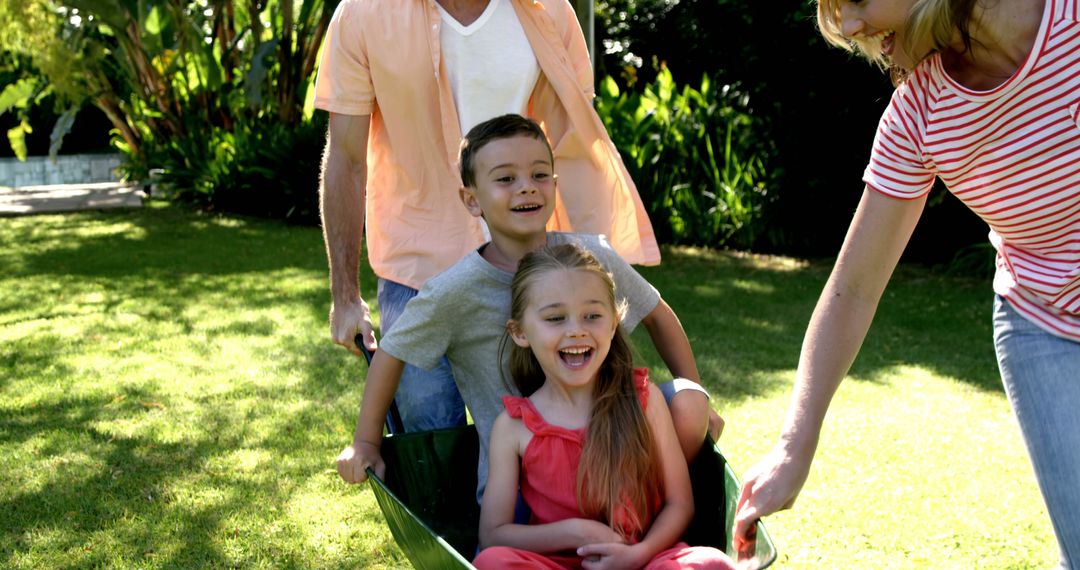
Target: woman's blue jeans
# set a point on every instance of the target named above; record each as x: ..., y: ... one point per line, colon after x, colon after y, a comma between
x: 1041, y: 373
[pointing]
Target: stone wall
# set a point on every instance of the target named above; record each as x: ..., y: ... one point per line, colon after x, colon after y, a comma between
x: 70, y: 169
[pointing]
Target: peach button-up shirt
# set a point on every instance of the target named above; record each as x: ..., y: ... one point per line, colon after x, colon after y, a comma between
x: 382, y: 58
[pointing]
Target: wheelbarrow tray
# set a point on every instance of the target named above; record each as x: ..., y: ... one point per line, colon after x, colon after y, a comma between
x: 429, y: 499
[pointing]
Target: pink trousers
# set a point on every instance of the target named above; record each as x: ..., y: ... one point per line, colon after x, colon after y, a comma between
x: 680, y: 556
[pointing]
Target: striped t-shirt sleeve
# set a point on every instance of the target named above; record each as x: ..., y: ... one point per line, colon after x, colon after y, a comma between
x: 897, y: 167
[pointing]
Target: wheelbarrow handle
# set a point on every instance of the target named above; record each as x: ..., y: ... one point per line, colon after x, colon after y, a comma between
x: 359, y: 341
x: 393, y: 419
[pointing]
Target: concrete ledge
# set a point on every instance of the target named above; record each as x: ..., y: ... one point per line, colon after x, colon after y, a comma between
x: 69, y: 198
x: 68, y: 169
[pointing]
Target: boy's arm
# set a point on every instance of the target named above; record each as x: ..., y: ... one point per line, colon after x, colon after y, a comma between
x: 673, y: 346
x: 671, y: 343
x: 383, y: 378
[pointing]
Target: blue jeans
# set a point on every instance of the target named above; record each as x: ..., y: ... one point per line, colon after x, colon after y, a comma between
x: 1041, y: 373
x: 425, y: 399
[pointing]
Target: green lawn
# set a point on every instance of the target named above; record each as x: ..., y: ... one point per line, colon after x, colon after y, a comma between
x: 169, y: 398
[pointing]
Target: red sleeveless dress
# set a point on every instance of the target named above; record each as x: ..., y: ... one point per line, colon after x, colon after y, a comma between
x: 549, y: 486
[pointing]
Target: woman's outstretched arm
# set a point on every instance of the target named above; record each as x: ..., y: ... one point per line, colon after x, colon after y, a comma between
x: 877, y: 236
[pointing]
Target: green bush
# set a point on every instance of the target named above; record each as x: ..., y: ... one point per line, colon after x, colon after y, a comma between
x: 210, y: 97
x: 262, y: 169
x: 817, y: 105
x: 695, y: 159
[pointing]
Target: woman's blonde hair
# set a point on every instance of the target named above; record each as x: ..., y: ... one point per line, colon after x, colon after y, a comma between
x: 931, y: 22
x: 618, y: 479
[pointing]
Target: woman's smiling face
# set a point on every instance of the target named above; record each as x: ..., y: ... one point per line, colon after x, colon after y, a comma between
x: 879, y: 27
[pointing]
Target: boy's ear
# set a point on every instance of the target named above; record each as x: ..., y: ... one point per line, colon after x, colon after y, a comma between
x: 516, y: 334
x: 468, y: 197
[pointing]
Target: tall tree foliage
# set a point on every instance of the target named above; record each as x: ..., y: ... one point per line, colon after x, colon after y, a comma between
x: 25, y: 29
x: 164, y: 70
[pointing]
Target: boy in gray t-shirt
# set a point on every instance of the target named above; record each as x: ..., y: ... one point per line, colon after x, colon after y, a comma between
x: 506, y: 166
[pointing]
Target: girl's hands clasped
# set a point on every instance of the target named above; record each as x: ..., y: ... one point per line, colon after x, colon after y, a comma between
x: 614, y: 555
x: 595, y: 532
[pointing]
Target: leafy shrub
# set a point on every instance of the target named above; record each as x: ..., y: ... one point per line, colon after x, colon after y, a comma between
x: 694, y: 156
x: 263, y: 169
x: 816, y: 105
x: 211, y: 97
x: 975, y: 260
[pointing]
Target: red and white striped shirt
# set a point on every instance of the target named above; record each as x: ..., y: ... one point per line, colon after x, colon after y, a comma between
x: 1012, y: 154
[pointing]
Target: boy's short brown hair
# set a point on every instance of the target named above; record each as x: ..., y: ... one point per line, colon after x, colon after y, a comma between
x: 501, y: 127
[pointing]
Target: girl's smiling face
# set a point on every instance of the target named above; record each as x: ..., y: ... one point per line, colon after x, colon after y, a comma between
x: 568, y: 323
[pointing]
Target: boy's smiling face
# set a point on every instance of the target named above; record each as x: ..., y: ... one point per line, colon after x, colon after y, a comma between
x: 515, y: 187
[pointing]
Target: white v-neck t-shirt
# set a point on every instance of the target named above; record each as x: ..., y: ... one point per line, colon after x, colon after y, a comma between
x: 490, y: 65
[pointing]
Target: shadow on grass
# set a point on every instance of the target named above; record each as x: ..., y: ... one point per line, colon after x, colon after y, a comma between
x: 110, y: 272
x: 125, y: 485
x: 149, y: 496
x: 170, y: 239
x: 18, y: 358
x: 153, y: 269
x: 746, y: 316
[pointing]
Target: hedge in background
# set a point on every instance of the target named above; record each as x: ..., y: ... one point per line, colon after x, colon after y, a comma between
x: 694, y: 156
x: 815, y: 106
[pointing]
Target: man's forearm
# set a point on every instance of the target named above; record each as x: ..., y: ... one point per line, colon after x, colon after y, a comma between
x: 342, y: 204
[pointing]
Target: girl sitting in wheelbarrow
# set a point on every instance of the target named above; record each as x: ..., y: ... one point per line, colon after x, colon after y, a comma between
x: 590, y: 445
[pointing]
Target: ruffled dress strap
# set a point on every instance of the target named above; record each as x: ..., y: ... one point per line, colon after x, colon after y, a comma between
x: 523, y: 409
x: 641, y: 384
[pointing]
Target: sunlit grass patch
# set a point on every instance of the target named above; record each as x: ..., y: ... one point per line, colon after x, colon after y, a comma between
x: 169, y: 398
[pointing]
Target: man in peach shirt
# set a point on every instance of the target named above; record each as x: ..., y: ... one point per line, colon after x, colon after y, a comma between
x: 403, y: 80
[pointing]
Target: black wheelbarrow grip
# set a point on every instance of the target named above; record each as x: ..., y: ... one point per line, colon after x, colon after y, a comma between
x: 393, y: 418
x: 358, y: 340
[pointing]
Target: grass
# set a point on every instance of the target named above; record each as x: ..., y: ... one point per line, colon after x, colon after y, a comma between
x: 169, y: 398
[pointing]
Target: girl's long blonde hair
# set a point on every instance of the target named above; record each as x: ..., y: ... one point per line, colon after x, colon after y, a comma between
x: 931, y: 22
x: 618, y: 479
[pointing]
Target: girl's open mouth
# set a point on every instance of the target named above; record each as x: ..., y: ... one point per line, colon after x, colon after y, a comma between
x: 576, y: 357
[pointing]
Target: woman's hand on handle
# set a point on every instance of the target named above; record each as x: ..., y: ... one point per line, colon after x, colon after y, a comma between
x: 771, y: 485
x: 877, y: 236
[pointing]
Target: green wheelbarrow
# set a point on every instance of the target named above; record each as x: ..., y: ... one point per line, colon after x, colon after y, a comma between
x: 429, y: 499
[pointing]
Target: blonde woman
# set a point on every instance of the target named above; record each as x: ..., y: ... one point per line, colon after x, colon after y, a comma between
x: 987, y: 101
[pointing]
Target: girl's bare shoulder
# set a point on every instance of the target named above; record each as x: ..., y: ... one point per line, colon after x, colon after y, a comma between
x: 510, y: 431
